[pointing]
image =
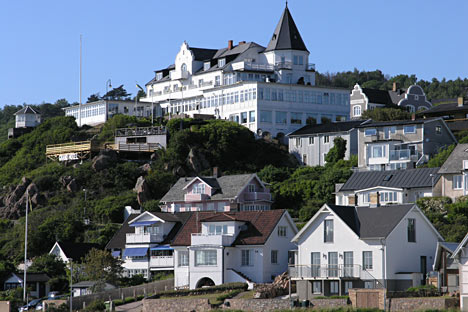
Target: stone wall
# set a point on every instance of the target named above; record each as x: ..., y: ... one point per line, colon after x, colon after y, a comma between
x: 328, y: 303
x: 5, y: 306
x: 175, y: 305
x: 422, y: 303
x: 257, y: 304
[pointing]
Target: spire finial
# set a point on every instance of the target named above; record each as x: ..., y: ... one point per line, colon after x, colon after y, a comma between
x: 286, y: 3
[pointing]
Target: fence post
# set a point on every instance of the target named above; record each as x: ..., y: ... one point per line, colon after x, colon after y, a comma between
x: 134, y: 294
x: 84, y: 305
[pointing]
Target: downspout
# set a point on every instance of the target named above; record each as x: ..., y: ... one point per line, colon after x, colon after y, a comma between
x: 222, y: 262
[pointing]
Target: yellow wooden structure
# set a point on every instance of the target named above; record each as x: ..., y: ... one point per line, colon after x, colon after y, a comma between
x: 71, y: 150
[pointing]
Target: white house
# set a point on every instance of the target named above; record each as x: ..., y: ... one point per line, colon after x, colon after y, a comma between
x: 214, y: 248
x: 88, y: 287
x: 70, y: 250
x: 269, y: 90
x: 345, y: 247
x: 143, y: 242
x: 98, y: 112
x: 27, y: 117
x: 461, y: 255
x: 371, y: 188
x: 310, y: 144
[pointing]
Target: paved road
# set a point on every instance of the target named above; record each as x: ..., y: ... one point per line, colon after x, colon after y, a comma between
x: 132, y: 307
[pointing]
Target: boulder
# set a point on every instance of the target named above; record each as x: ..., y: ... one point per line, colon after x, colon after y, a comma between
x: 104, y: 160
x: 143, y: 191
x: 145, y: 169
x: 73, y: 186
x: 196, y: 161
x: 65, y: 180
x: 179, y: 171
x: 17, y: 193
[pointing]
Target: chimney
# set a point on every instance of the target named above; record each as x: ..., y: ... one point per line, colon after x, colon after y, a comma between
x: 395, y: 87
x: 216, y: 172
x: 241, y: 42
x: 413, y: 116
x: 230, y: 45
x: 460, y: 101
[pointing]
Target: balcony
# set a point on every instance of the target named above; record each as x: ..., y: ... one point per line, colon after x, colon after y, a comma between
x: 254, y: 196
x: 326, y: 271
x: 179, y: 75
x: 212, y: 239
x: 405, y: 154
x: 189, y: 197
x: 252, y: 66
x: 144, y: 238
x: 161, y: 262
x: 310, y: 67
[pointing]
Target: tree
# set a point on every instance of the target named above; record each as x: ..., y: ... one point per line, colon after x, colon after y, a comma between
x: 386, y: 114
x: 49, y: 264
x: 101, y: 266
x: 118, y: 93
x: 93, y: 98
x: 338, y: 150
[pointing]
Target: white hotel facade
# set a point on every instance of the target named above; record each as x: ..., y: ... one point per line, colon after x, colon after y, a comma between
x: 269, y: 90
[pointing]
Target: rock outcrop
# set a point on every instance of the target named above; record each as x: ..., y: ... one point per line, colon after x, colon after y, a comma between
x: 143, y: 191
x: 105, y: 159
x: 197, y: 161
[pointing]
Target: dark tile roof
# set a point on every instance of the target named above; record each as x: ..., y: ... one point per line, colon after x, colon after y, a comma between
x: 378, y: 96
x: 76, y: 251
x: 286, y: 35
x: 220, y: 217
x: 34, y: 277
x: 26, y: 110
x: 227, y: 187
x: 445, y: 109
x: 376, y: 222
x: 457, y: 125
x: 326, y: 128
x: 260, y: 225
x: 454, y: 163
x: 372, y: 123
x: 202, y: 54
x: 119, y: 239
x: 409, y: 178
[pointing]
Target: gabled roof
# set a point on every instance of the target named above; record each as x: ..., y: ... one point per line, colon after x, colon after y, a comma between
x: 165, y: 217
x: 341, y: 126
x: 26, y: 110
x: 76, y: 251
x: 119, y: 239
x: 460, y: 246
x: 367, y: 222
x: 32, y: 277
x: 202, y: 54
x: 449, y: 247
x: 409, y: 178
x: 220, y: 218
x: 445, y: 107
x: 372, y: 123
x: 260, y: 225
x: 286, y: 35
x: 226, y: 187
x: 378, y: 96
x: 454, y: 163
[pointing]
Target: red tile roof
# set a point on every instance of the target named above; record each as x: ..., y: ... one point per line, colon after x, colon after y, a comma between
x: 260, y: 225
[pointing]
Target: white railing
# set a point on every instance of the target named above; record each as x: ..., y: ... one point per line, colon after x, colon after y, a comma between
x: 161, y: 261
x: 133, y: 238
x: 325, y: 271
x: 212, y: 239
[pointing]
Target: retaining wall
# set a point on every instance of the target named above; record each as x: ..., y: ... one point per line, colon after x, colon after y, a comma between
x: 422, y: 303
x: 175, y: 305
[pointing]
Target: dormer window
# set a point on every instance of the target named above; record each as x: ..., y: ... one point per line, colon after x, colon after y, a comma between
x: 217, y: 229
x: 221, y: 62
x: 206, y: 66
x: 198, y: 188
x: 159, y: 76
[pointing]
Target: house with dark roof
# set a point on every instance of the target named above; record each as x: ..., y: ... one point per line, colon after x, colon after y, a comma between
x: 376, y: 188
x: 454, y: 179
x: 401, y: 144
x: 217, y: 193
x: 70, y: 251
x: 310, y: 144
x: 447, y: 267
x: 344, y: 247
x: 37, y: 283
x: 454, y: 111
x: 412, y: 100
x: 270, y: 90
x: 144, y: 242
x: 214, y: 248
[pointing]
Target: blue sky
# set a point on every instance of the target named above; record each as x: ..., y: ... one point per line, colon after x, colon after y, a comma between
x: 125, y: 41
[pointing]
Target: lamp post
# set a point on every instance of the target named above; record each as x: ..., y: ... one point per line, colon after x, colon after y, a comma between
x: 108, y: 85
x: 71, y: 283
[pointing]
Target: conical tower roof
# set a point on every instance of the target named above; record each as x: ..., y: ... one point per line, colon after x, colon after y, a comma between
x: 286, y: 35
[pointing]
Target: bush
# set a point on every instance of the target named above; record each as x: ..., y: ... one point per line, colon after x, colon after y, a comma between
x: 229, y: 295
x: 201, y: 291
x: 96, y: 305
x: 423, y: 291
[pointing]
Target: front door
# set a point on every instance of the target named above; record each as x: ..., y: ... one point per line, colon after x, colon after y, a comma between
x: 41, y: 290
x: 423, y: 269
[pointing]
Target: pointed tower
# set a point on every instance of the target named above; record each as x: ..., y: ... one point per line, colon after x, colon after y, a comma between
x: 288, y: 53
x: 286, y: 35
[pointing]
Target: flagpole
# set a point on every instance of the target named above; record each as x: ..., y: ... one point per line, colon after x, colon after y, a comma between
x: 81, y: 39
x: 25, y: 247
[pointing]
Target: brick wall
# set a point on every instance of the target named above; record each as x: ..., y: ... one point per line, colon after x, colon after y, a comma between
x: 175, y: 305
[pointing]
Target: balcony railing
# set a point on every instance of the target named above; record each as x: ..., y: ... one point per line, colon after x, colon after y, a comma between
x: 161, y: 261
x: 310, y: 66
x: 405, y: 154
x: 253, y: 196
x: 326, y: 271
x: 196, y: 197
x: 212, y: 239
x: 283, y: 65
x: 142, y: 131
x: 133, y: 238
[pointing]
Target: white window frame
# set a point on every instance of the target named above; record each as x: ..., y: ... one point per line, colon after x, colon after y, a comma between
x: 311, y: 140
x: 406, y: 129
x: 282, y: 231
x: 207, y: 256
x: 246, y: 257
x: 251, y: 188
x: 367, y: 262
x: 357, y: 110
x: 326, y: 139
x: 457, y: 182
x: 183, y: 258
x: 274, y: 257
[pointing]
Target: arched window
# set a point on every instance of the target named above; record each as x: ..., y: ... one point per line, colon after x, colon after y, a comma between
x: 184, y: 67
x: 410, y: 108
x: 356, y: 110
